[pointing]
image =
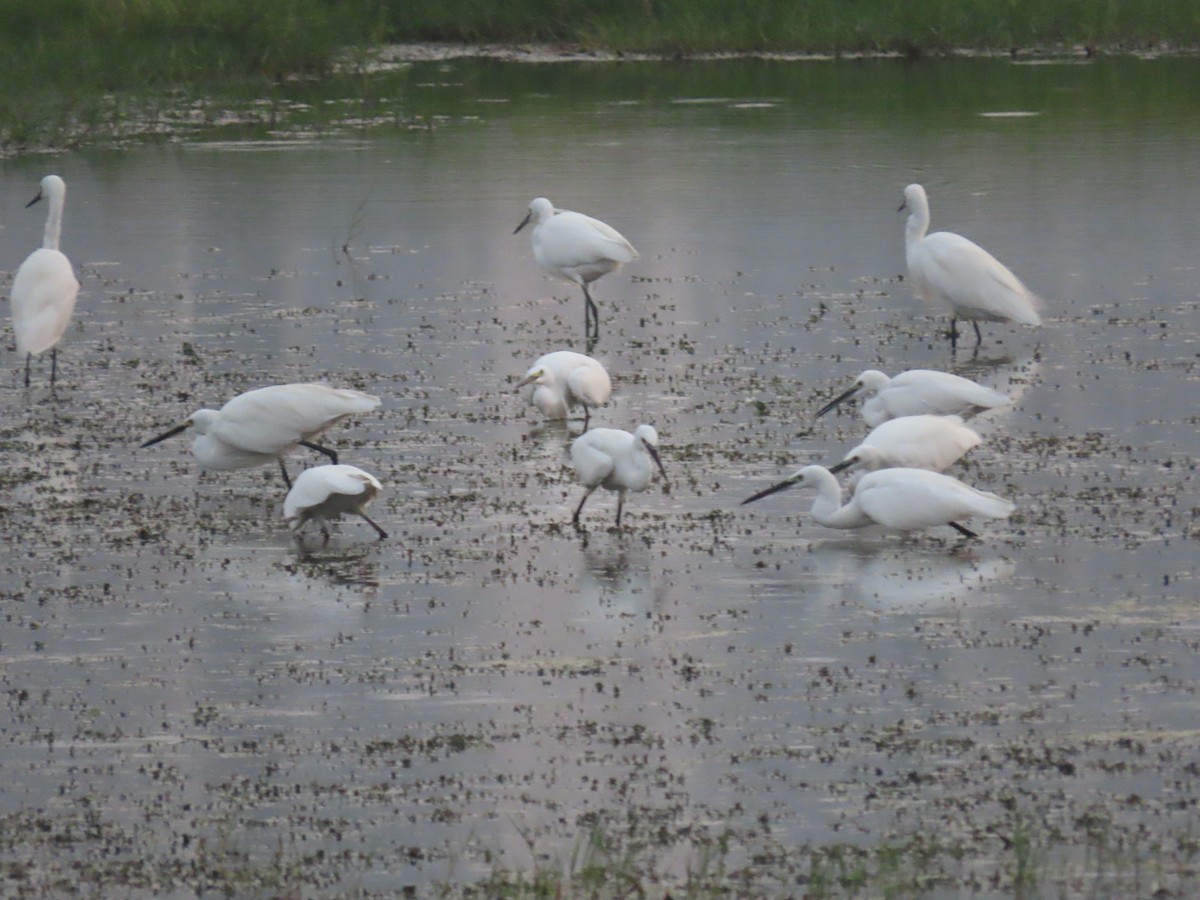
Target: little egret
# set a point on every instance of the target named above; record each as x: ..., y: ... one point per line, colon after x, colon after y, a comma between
x: 576, y: 248
x: 45, y: 287
x: 615, y: 460
x: 325, y: 492
x: 947, y: 268
x: 563, y: 380
x: 913, y: 442
x: 917, y: 392
x: 899, y: 499
x: 266, y: 424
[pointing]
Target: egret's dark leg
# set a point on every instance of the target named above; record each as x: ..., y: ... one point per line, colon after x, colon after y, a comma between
x: 371, y: 522
x: 591, y: 314
x: 586, y: 417
x: 620, y: 506
x: 325, y: 533
x: 283, y: 472
x: 579, y: 508
x: 965, y: 532
x: 28, y: 359
x: 53, y: 365
x: 332, y: 454
x: 953, y: 334
x: 978, y: 334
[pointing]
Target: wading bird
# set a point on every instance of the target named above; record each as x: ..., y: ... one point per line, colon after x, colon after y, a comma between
x: 615, y: 460
x: 563, y: 380
x: 914, y: 442
x: 917, y: 392
x: 44, y: 288
x: 264, y: 425
x: 946, y: 268
x: 325, y: 492
x: 898, y: 499
x: 576, y: 248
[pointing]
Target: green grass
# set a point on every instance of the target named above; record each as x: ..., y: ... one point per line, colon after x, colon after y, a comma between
x: 73, y: 67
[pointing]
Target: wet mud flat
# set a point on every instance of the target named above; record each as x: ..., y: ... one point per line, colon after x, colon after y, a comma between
x: 711, y: 698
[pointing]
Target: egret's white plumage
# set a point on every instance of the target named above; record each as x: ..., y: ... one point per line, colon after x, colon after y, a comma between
x: 44, y: 288
x: 946, y: 268
x: 563, y: 380
x: 917, y: 392
x: 576, y: 248
x: 268, y: 423
x: 326, y: 492
x: 899, y: 499
x: 615, y: 460
x: 917, y: 442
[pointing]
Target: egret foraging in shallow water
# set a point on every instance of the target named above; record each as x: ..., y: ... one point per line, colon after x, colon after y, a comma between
x: 917, y: 442
x: 917, y: 392
x: 325, y: 492
x: 44, y: 288
x: 563, y: 380
x: 947, y: 268
x: 899, y: 499
x: 266, y: 424
x: 576, y: 248
x: 615, y: 460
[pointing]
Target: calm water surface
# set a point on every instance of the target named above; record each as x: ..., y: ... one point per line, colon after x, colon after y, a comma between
x: 187, y: 695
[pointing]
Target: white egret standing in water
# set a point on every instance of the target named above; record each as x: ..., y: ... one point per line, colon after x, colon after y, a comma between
x: 563, y: 380
x: 898, y: 499
x: 576, y: 248
x: 266, y: 424
x: 44, y: 288
x: 917, y: 392
x: 615, y: 460
x: 947, y: 268
x: 326, y: 492
x: 917, y: 442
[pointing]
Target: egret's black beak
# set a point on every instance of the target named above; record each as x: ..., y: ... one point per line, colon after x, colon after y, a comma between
x: 653, y: 451
x: 34, y: 200
x: 162, y: 437
x: 771, y: 490
x: 842, y: 466
x: 524, y: 222
x: 835, y: 401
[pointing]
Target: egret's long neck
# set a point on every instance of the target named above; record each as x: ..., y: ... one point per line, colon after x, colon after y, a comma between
x: 828, y: 510
x: 918, y: 223
x: 53, y: 232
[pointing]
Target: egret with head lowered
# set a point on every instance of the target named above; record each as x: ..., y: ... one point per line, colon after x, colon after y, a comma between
x: 916, y: 392
x: 576, y: 248
x: 947, y: 269
x: 615, y: 460
x: 917, y: 442
x: 897, y: 499
x: 326, y: 492
x: 45, y: 287
x: 266, y: 424
x: 563, y: 380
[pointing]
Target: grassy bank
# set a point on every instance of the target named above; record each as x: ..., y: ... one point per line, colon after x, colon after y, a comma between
x: 62, y: 62
x: 692, y: 26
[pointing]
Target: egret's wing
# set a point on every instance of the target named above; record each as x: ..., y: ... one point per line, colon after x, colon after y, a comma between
x: 271, y: 419
x: 43, y: 299
x: 961, y: 271
x: 923, y: 442
x: 914, y: 498
x: 573, y: 239
x: 316, y: 485
x: 593, y: 454
x: 922, y: 391
x: 590, y: 383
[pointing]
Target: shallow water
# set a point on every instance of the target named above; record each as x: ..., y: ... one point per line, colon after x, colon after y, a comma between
x: 194, y: 706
